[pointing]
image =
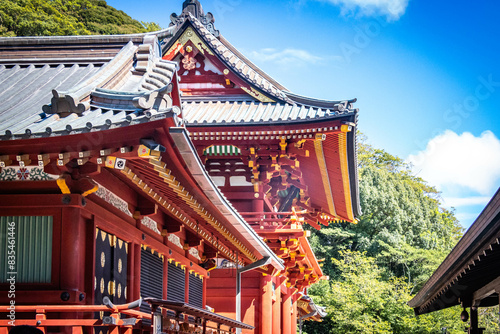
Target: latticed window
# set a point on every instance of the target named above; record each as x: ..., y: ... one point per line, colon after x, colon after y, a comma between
x: 26, y: 245
x: 151, y: 276
x: 176, y: 283
x: 195, y: 290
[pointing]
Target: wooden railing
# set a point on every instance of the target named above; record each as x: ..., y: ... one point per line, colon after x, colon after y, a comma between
x: 72, y: 317
x: 76, y: 319
x: 273, y: 219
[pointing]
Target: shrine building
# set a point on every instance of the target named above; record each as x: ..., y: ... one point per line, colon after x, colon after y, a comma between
x: 470, y: 274
x: 161, y: 182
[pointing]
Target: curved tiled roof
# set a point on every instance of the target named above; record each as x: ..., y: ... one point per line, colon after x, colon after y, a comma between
x: 105, y: 95
x: 88, y: 121
x: 160, y: 75
x: 219, y: 113
x: 24, y: 89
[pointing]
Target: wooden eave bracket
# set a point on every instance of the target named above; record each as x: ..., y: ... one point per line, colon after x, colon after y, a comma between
x: 172, y: 227
x: 84, y: 186
x: 192, y: 239
x: 145, y: 207
x: 5, y: 161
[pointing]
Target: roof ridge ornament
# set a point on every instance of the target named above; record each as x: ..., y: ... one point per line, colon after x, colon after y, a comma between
x: 193, y: 9
x: 63, y: 104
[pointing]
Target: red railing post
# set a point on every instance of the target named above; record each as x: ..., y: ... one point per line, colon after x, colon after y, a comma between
x: 77, y: 330
x: 40, y: 317
x: 115, y: 329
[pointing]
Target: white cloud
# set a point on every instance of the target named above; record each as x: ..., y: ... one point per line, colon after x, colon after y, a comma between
x: 466, y: 219
x: 466, y: 201
x: 392, y: 9
x: 466, y: 162
x: 285, y: 57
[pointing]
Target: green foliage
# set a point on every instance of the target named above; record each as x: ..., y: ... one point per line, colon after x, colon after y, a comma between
x: 363, y: 301
x: 39, y: 18
x: 488, y: 319
x: 378, y: 264
x: 66, y: 17
x: 403, y: 226
x: 151, y: 26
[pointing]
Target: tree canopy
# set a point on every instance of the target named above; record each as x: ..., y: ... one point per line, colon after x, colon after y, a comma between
x: 378, y: 264
x: 66, y: 17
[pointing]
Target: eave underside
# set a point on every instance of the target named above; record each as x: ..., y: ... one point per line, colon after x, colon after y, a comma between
x: 325, y: 158
x: 148, y: 175
x: 472, y: 265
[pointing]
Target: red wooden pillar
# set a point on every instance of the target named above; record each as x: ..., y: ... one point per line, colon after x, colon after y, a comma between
x: 266, y: 291
x: 258, y: 205
x: 277, y: 309
x: 287, y: 314
x: 90, y: 241
x: 72, y: 250
x: 72, y: 257
x: 294, y: 313
x: 136, y: 288
x: 186, y: 291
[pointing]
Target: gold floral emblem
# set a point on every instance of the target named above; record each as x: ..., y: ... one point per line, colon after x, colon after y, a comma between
x: 189, y: 63
x: 111, y: 288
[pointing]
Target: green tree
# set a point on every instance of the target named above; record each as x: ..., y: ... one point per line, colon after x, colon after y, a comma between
x: 37, y: 18
x: 362, y: 300
x: 403, y: 226
x: 380, y: 262
x: 151, y: 26
x: 66, y: 17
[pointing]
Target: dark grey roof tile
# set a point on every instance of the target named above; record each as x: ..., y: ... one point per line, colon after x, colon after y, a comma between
x: 242, y: 112
x: 61, y: 123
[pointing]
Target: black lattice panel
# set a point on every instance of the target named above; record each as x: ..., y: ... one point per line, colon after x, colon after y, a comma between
x: 195, y: 290
x: 111, y: 258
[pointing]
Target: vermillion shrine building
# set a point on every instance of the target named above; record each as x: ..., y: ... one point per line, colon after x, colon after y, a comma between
x: 161, y: 182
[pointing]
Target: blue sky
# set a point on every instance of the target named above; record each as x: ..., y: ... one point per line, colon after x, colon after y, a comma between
x: 426, y: 75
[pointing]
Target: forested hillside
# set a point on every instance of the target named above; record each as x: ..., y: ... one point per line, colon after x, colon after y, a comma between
x: 377, y: 265
x: 60, y: 17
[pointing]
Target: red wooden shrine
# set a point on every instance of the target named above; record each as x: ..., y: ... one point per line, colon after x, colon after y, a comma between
x: 163, y: 165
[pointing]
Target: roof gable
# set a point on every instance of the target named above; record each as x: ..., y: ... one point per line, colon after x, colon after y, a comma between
x: 194, y: 45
